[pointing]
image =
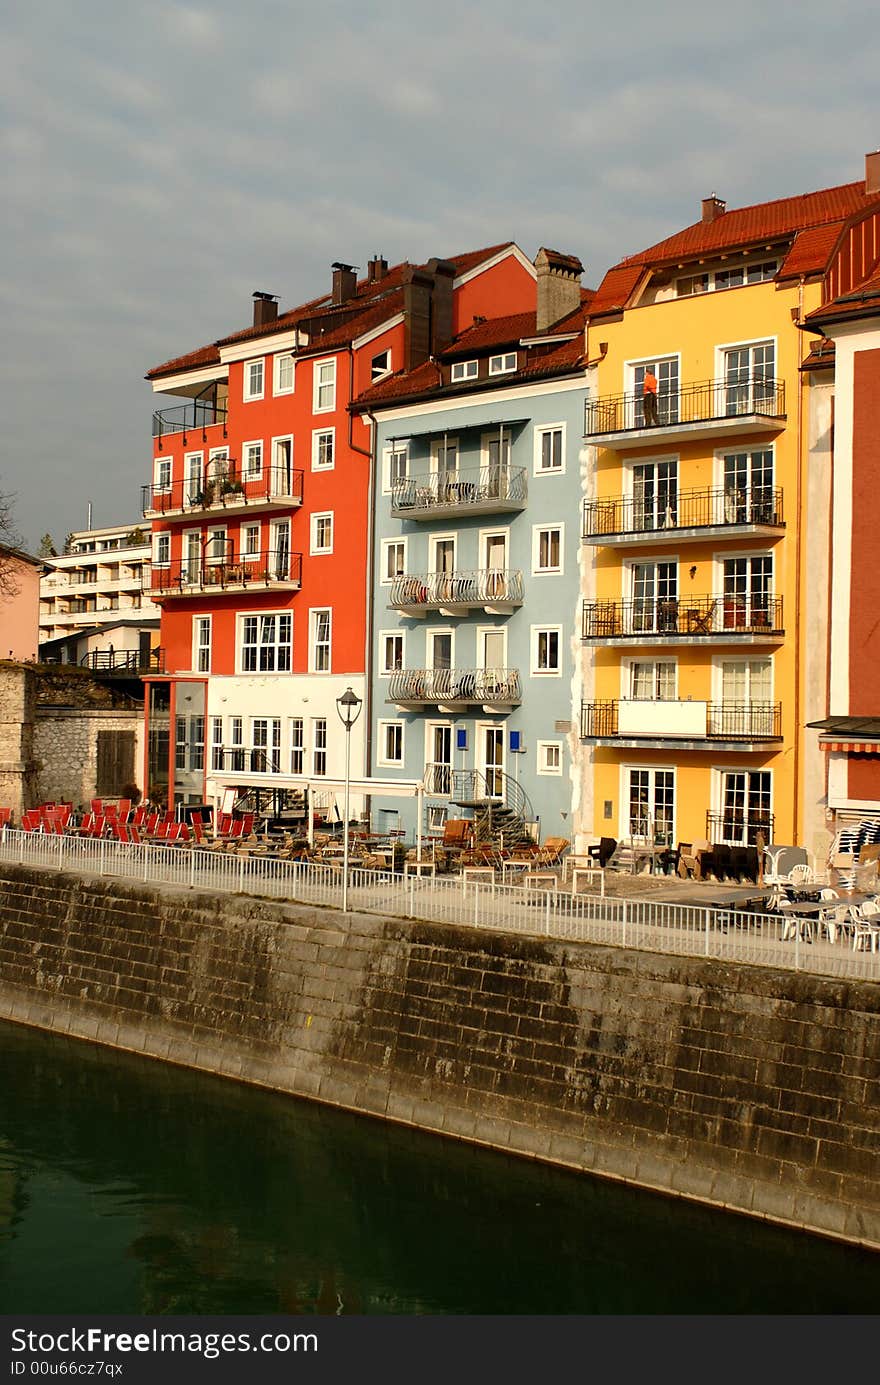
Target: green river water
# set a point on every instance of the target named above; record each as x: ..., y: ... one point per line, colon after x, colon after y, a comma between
x: 131, y: 1187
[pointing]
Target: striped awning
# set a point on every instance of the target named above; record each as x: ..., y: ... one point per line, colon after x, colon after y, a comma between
x: 851, y: 747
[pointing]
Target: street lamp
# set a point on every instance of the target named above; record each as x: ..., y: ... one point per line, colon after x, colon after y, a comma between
x: 348, y: 707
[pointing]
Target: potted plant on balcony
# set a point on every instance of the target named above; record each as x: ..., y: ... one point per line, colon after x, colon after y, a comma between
x: 201, y: 499
x: 230, y: 486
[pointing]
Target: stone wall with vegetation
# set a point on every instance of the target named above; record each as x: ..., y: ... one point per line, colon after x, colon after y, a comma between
x: 739, y: 1086
x: 83, y: 753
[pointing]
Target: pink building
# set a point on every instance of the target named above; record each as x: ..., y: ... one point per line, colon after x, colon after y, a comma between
x: 19, y: 604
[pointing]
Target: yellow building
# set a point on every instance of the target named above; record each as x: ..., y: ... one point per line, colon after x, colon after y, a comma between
x: 697, y: 614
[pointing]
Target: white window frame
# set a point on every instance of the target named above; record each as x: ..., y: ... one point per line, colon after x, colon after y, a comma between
x: 718, y: 773
x: 388, y: 453
x: 537, y: 531
x: 320, y: 517
x: 542, y: 752
x: 317, y: 434
x: 248, y: 451
x: 379, y: 372
x: 481, y: 632
x: 463, y: 370
x: 314, y: 613
x: 505, y: 363
x: 297, y: 744
x: 387, y: 545
x: 384, y: 636
x: 429, y: 644
x: 318, y: 385
x: 162, y: 540
x: 319, y: 729
x: 627, y: 666
x: 159, y: 466
x: 382, y: 758
x: 277, y: 387
x: 534, y: 645
x: 248, y: 393
x: 201, y: 647
x: 212, y: 534
x: 278, y: 645
x: 623, y: 823
x: 541, y: 431
x: 244, y: 550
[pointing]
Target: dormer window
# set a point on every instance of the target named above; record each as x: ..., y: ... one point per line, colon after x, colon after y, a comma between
x: 502, y: 365
x: 730, y: 277
x: 380, y: 365
x: 463, y: 370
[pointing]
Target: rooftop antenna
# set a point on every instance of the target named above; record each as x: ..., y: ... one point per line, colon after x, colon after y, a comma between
x: 89, y: 525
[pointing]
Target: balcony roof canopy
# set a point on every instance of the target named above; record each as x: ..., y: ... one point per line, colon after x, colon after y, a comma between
x: 486, y: 426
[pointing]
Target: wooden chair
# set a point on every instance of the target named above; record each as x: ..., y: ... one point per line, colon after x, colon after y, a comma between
x: 690, y: 858
x: 552, y: 852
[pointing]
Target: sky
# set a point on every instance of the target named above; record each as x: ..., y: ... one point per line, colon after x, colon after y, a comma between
x: 162, y: 162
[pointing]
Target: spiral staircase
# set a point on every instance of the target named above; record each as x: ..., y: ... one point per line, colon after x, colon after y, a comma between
x: 500, y: 808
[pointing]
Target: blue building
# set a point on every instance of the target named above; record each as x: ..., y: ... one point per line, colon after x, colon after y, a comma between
x: 475, y: 664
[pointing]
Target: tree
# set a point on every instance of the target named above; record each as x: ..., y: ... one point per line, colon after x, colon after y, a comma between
x: 47, y: 548
x: 68, y: 542
x: 9, y: 543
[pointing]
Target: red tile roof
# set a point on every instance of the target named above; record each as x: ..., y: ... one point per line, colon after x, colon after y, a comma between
x: 493, y: 331
x: 366, y: 294
x: 863, y: 301
x: 614, y: 291
x: 811, y: 250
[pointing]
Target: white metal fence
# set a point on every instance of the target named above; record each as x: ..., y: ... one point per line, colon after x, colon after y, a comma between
x: 686, y: 929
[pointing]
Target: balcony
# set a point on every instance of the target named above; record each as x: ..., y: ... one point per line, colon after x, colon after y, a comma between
x: 722, y: 619
x: 456, y: 593
x: 494, y: 689
x: 274, y: 569
x: 739, y: 829
x: 713, y: 512
x: 718, y: 407
x: 187, y: 418
x: 230, y: 494
x: 483, y: 490
x: 682, y: 725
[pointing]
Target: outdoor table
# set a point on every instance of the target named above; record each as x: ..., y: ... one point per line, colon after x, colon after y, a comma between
x: 586, y: 873
x: 477, y: 873
x: 419, y: 867
x: 541, y: 880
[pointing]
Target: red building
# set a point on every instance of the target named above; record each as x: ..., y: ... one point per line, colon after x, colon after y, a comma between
x: 260, y: 503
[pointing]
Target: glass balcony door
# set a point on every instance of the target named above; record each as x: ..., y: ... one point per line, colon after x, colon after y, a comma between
x: 749, y: 377
x: 654, y: 597
x: 655, y: 495
x: 651, y: 805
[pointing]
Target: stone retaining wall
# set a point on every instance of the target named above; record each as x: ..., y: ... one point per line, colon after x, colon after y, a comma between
x: 739, y: 1086
x: 66, y: 747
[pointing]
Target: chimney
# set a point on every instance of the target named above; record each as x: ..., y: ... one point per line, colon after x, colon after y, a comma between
x: 443, y: 273
x: 377, y: 268
x: 872, y: 174
x: 265, y: 308
x: 559, y: 286
x: 417, y: 289
x: 344, y: 282
x: 713, y: 207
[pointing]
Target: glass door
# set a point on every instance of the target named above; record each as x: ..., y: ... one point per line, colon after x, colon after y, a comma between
x: 666, y: 372
x: 654, y: 600
x: 282, y: 467
x: 279, y: 557
x: 193, y: 478
x: 748, y: 584
x: 439, y: 765
x: 748, y: 487
x: 499, y: 466
x: 495, y: 564
x: 652, y: 806
x: 749, y: 381
x: 192, y: 556
x: 492, y: 766
x: 655, y: 495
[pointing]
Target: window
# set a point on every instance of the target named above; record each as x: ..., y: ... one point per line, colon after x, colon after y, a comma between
x: 390, y: 742
x: 748, y: 587
x: 746, y: 707
x: 180, y: 742
x: 549, y: 757
x: 322, y: 449
x: 503, y: 364
x: 216, y: 743
x: 748, y: 487
x: 749, y: 378
x: 162, y: 555
x: 322, y: 533
x: 202, y: 644
x: 655, y: 495
x: 284, y: 368
x: 691, y: 284
x: 297, y: 747
x: 549, y: 450
x: 266, y: 642
x: 746, y: 803
x: 547, y: 548
x: 266, y: 745
x: 650, y: 797
x: 324, y: 387
x: 727, y: 278
x: 394, y: 559
x: 464, y: 370
x: 253, y: 380
x: 319, y: 746
x: 253, y: 461
x: 319, y: 644
x: 666, y: 372
x: 236, y: 754
x: 547, y: 650
x: 391, y: 651
x: 652, y: 680
x: 282, y: 466
x: 654, y: 598
x: 189, y: 742
x: 396, y: 465
x: 380, y: 365
x: 250, y: 541
x: 216, y: 545
x: 163, y: 473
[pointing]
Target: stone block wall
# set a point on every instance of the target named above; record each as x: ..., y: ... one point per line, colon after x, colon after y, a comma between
x: 738, y: 1086
x: 66, y: 749
x: 18, y: 787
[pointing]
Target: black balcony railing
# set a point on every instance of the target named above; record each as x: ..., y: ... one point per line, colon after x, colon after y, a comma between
x: 670, y: 508
x: 487, y: 685
x: 703, y: 402
x: 725, y: 721
x: 694, y: 616
x: 124, y: 661
x: 271, y: 567
x: 456, y: 588
x: 240, y: 759
x: 735, y: 828
x: 224, y: 492
x: 478, y: 486
x: 198, y: 413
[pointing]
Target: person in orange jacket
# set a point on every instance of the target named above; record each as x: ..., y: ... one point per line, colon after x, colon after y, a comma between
x: 649, y: 398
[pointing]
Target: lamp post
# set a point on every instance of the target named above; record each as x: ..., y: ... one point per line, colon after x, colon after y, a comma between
x: 348, y: 706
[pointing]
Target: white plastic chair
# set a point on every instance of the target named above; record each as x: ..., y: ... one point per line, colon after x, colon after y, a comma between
x: 866, y: 932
